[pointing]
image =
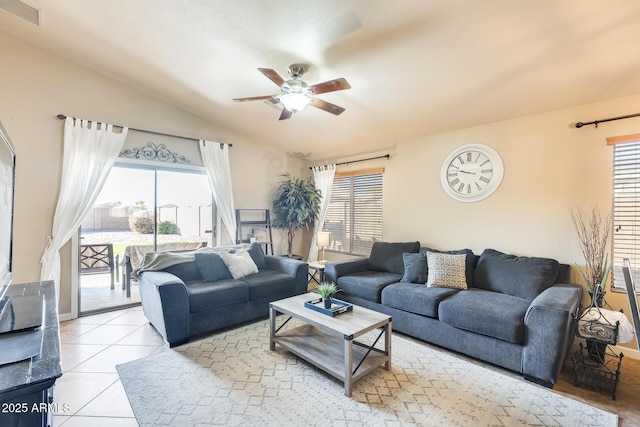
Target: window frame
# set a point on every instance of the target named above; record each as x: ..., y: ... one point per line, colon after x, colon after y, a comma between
x: 625, y: 208
x: 351, y: 232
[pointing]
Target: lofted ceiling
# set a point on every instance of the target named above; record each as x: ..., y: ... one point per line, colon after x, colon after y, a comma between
x: 416, y: 67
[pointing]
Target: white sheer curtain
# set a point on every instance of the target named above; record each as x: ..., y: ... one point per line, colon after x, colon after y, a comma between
x: 323, y: 176
x: 90, y: 150
x: 215, y: 157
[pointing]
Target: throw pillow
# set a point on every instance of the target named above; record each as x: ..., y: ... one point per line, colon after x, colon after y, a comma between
x: 470, y: 263
x: 257, y: 255
x: 211, y: 266
x: 386, y: 256
x: 415, y: 268
x: 446, y: 270
x: 518, y: 276
x: 239, y: 263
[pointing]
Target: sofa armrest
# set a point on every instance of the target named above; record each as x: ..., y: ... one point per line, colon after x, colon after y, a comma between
x: 550, y: 331
x: 165, y: 303
x: 335, y: 269
x: 292, y: 267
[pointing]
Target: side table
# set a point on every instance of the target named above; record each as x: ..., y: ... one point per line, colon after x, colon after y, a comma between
x: 316, y: 272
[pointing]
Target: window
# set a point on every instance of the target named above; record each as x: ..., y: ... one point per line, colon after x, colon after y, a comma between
x: 354, y: 215
x: 626, y: 207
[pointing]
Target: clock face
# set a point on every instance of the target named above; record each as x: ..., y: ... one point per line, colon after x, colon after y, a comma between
x: 471, y: 172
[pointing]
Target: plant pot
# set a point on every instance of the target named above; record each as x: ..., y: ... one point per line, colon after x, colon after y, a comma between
x: 327, y: 303
x: 596, y: 351
x: 598, y: 299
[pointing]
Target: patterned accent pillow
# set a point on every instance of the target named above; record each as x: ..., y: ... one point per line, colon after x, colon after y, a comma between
x: 446, y: 270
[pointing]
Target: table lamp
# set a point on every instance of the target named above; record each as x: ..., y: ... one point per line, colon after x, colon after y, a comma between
x: 323, y: 239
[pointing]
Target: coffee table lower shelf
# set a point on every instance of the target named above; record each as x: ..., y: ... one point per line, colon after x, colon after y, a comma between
x: 331, y: 343
x: 327, y: 352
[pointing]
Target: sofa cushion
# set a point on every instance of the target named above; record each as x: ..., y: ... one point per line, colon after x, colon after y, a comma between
x: 239, y: 263
x: 270, y: 285
x: 211, y: 267
x: 186, y: 271
x: 387, y: 256
x: 519, y: 276
x: 415, y: 268
x: 415, y: 298
x: 484, y: 312
x: 469, y: 264
x: 205, y: 296
x: 446, y: 270
x: 367, y: 284
x: 257, y: 255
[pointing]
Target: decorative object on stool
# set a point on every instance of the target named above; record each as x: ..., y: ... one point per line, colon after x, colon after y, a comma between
x: 296, y: 206
x: 593, y: 235
x: 327, y: 290
x: 323, y: 238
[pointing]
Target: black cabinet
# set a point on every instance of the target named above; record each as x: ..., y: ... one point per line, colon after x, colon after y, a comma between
x: 26, y: 387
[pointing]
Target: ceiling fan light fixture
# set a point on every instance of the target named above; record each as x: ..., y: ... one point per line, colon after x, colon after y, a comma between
x: 295, y: 101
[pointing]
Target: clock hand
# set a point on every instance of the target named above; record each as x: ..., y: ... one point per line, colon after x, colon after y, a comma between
x: 467, y: 172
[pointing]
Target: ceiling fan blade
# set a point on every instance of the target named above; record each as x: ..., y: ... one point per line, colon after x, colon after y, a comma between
x: 272, y: 75
x: 286, y: 114
x: 253, y: 98
x: 330, y: 86
x: 326, y: 106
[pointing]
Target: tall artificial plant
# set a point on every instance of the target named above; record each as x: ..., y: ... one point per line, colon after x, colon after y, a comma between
x: 296, y: 206
x: 593, y: 235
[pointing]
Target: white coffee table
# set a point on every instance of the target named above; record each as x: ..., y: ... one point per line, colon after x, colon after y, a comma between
x: 330, y: 342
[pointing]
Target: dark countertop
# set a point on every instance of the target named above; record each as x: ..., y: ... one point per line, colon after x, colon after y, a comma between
x: 41, y: 371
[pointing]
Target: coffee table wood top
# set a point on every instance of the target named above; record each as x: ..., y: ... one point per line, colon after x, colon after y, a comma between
x: 350, y: 324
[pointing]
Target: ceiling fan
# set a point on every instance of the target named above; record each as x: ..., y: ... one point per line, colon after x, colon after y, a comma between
x: 296, y: 94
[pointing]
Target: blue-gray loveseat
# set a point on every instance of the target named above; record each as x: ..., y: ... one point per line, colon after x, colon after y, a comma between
x: 516, y: 312
x: 189, y: 293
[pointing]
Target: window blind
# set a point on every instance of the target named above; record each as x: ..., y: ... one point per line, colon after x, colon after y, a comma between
x: 626, y: 207
x: 354, y: 215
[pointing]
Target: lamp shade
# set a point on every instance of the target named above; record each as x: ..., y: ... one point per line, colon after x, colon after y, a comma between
x: 295, y: 101
x: 323, y: 239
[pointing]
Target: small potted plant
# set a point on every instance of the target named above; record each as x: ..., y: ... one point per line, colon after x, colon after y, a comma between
x: 327, y: 290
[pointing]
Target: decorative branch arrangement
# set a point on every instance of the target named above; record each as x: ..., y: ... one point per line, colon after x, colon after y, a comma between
x: 593, y: 234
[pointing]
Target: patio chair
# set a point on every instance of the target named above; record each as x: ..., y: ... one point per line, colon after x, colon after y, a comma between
x: 98, y: 259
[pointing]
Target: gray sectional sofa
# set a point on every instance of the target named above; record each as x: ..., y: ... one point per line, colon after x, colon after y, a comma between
x: 189, y: 293
x: 516, y: 312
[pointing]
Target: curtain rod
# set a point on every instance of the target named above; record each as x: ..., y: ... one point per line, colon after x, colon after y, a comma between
x: 62, y: 117
x: 595, y: 122
x: 386, y: 156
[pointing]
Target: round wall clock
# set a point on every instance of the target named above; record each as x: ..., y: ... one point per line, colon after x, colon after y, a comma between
x: 471, y: 172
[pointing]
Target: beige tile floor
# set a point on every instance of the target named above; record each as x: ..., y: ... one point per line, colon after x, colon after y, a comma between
x: 92, y: 346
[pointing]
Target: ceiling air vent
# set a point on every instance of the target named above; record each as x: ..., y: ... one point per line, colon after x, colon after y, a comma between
x: 21, y: 10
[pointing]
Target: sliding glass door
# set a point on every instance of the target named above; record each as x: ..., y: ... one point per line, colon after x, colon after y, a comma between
x: 139, y: 210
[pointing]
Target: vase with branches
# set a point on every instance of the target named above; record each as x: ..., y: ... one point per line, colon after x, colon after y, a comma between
x: 593, y: 235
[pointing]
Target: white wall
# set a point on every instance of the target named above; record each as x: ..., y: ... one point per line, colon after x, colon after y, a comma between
x: 35, y: 86
x: 549, y: 167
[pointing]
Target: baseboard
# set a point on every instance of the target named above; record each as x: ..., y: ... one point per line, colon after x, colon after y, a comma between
x: 629, y: 352
x: 63, y: 317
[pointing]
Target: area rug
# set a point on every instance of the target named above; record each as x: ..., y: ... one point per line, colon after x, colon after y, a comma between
x: 233, y: 379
